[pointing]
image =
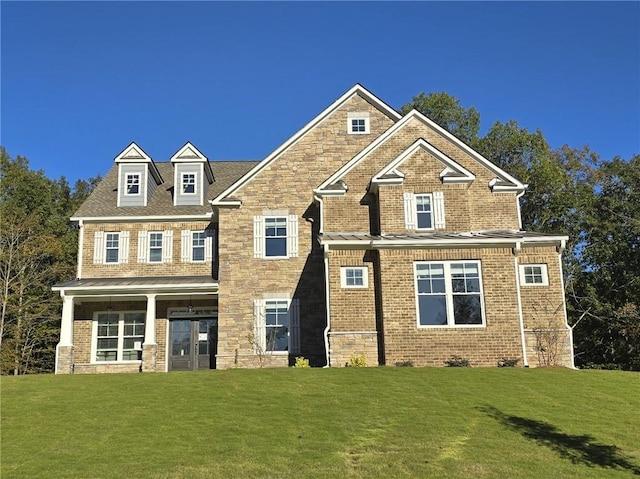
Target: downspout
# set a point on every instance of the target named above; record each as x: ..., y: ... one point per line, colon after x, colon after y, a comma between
x: 560, y: 249
x: 318, y: 198
x: 326, y: 294
x: 80, y: 247
x: 516, y: 252
x: 518, y: 196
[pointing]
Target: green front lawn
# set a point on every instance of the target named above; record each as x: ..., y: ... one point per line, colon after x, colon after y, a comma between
x: 324, y: 423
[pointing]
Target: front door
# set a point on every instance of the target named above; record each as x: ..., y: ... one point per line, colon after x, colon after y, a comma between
x: 193, y: 344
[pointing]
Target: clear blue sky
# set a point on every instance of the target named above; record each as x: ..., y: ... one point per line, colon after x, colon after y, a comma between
x: 82, y: 80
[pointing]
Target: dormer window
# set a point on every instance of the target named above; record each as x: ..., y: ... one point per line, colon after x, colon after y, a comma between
x: 188, y: 184
x: 358, y: 123
x: 133, y: 184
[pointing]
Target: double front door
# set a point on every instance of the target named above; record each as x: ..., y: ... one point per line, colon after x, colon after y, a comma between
x: 193, y: 343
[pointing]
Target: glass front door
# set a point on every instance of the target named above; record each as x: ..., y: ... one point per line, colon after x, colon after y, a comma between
x: 193, y: 344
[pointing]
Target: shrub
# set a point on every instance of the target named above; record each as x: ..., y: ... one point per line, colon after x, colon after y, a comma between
x: 301, y: 362
x: 404, y: 364
x: 508, y: 363
x: 457, y: 362
x: 357, y: 361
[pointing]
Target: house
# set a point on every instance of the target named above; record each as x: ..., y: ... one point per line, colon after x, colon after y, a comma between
x: 366, y: 234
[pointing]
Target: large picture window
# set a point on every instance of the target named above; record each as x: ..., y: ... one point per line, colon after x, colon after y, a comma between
x: 449, y: 294
x: 118, y: 336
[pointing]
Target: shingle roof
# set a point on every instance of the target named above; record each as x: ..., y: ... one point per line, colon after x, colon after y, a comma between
x: 103, y: 200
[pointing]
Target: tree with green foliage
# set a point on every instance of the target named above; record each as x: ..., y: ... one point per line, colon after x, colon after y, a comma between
x: 447, y: 112
x: 37, y: 249
x: 571, y: 192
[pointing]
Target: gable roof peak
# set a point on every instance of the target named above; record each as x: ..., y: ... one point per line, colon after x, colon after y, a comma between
x: 134, y: 154
x: 190, y: 154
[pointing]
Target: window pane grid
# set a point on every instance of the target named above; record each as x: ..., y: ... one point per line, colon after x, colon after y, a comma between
x: 119, y: 336
x: 189, y: 183
x: 275, y: 232
x: 358, y: 125
x: 155, y: 247
x: 277, y: 325
x: 424, y: 211
x: 197, y: 245
x: 133, y: 184
x: 448, y: 294
x: 111, y: 247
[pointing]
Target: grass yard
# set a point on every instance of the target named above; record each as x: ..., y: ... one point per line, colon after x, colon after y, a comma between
x: 324, y: 423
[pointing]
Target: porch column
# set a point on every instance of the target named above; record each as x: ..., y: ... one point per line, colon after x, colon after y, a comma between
x: 64, y: 349
x: 150, y: 347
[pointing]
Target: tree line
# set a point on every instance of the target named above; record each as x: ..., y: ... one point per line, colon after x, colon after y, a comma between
x: 572, y: 191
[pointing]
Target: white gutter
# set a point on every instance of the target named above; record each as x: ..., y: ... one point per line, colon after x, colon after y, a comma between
x: 465, y: 242
x: 80, y: 246
x: 318, y: 198
x: 564, y: 304
x: 127, y: 219
x: 516, y: 252
x: 326, y: 287
x: 518, y: 196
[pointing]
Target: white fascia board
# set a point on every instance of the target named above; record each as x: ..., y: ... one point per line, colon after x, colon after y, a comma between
x: 141, y: 158
x: 338, y: 175
x: 444, y: 243
x: 421, y: 143
x: 329, y: 192
x: 175, y: 158
x: 467, y: 149
x: 128, y: 219
x: 79, y: 291
x: 356, y: 89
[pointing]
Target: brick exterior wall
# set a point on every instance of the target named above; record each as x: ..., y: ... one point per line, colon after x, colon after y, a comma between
x: 286, y: 184
x: 132, y: 268
x: 483, y: 346
x: 544, y: 312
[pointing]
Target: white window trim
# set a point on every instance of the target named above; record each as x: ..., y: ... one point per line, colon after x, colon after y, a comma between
x: 259, y: 306
x: 448, y: 295
x: 126, y: 184
x: 437, y: 211
x: 144, y: 247
x: 358, y: 116
x: 186, y: 254
x: 260, y: 237
x: 94, y: 337
x: 365, y: 277
x: 100, y: 247
x: 195, y: 183
x: 543, y: 271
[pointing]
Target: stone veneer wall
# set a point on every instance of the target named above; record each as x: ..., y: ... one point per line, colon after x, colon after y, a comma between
x: 286, y: 184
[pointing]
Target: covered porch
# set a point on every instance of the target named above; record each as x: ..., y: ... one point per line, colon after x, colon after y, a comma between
x: 137, y: 324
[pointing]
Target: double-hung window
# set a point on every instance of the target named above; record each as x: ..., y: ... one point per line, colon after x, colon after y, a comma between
x: 277, y: 324
x: 155, y: 246
x: 275, y: 236
x: 197, y: 246
x: 198, y: 239
x: 534, y: 275
x: 118, y: 336
x: 111, y: 247
x: 133, y: 184
x: 188, y: 184
x: 449, y: 294
x: 424, y: 211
